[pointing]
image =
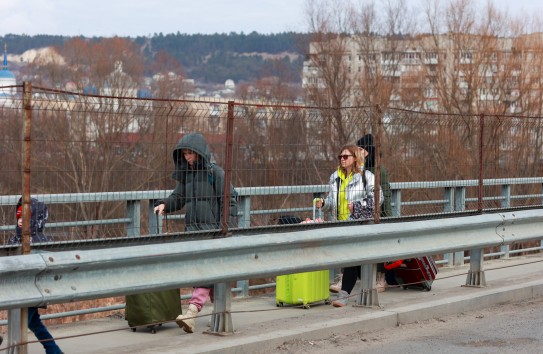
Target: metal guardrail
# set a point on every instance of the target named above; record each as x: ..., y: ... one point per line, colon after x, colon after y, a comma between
x: 46, y: 278
x: 452, y: 189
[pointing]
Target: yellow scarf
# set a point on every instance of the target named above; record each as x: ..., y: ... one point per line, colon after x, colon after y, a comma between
x: 343, y: 208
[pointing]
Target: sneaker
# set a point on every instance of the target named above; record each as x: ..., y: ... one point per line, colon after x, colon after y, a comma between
x: 342, y: 299
x: 336, y: 287
x: 381, y: 283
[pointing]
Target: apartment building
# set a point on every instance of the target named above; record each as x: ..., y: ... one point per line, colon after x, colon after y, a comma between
x: 428, y: 72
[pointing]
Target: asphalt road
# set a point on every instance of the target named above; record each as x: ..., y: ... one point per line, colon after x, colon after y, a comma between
x: 509, y: 328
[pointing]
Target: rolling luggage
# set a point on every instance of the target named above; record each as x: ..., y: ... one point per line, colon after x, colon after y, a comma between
x: 302, y: 288
x: 152, y: 309
x: 417, y: 272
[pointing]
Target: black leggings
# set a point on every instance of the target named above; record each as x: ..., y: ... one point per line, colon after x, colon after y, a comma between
x: 352, y: 274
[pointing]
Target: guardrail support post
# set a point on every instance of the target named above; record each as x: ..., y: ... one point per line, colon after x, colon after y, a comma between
x: 368, y: 297
x: 17, y: 330
x: 476, y: 274
x: 221, y: 318
x: 244, y: 221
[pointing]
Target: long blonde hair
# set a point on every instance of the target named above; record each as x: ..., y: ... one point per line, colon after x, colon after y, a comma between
x: 358, y: 164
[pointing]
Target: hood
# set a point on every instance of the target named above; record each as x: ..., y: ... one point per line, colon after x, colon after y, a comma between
x: 366, y: 143
x: 38, y: 216
x: 195, y: 142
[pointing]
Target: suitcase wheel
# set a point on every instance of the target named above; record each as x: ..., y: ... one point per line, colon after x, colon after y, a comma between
x: 327, y: 302
x: 133, y: 329
x: 279, y: 304
x: 152, y: 328
x: 306, y: 306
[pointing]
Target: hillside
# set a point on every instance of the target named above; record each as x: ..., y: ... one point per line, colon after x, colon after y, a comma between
x: 207, y: 58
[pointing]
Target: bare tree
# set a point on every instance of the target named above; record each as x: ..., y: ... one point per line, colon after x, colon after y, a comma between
x: 330, y: 60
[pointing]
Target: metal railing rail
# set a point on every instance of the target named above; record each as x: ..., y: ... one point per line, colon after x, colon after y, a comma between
x: 46, y: 278
x: 135, y: 198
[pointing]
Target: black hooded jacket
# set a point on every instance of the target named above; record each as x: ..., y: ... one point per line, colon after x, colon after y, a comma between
x: 200, y: 189
x: 38, y: 218
x: 366, y: 142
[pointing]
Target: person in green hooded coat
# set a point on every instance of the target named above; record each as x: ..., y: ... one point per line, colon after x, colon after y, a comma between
x: 200, y: 190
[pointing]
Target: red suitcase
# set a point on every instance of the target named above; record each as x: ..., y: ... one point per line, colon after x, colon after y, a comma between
x: 417, y: 272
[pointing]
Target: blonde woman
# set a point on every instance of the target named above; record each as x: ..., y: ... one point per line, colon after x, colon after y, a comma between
x: 351, y: 196
x: 351, y: 187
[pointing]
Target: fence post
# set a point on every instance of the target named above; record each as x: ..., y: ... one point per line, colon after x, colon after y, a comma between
x: 155, y: 224
x: 448, y: 207
x: 481, y: 163
x: 459, y: 205
x: 244, y: 221
x: 228, y: 168
x: 18, y: 321
x: 505, y: 203
x: 244, y: 202
x: 377, y: 142
x: 396, y: 202
x: 133, y: 208
x: 244, y: 208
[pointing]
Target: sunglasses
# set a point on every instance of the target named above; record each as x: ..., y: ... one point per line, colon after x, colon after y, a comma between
x: 343, y: 157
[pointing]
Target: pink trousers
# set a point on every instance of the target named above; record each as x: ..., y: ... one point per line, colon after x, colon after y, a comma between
x: 199, y: 297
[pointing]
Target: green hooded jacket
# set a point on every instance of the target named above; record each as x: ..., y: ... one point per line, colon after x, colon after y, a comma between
x: 200, y: 189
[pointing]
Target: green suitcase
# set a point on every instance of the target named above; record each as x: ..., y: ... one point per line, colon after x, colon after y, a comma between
x: 302, y: 288
x: 152, y: 309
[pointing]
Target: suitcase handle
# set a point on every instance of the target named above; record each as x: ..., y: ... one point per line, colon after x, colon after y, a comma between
x: 392, y: 265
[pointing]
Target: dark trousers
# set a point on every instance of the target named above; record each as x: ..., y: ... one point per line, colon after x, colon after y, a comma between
x: 352, y: 274
x: 389, y: 274
x: 40, y: 331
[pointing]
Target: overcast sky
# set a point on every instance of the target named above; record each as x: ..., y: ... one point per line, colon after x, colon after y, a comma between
x: 145, y: 17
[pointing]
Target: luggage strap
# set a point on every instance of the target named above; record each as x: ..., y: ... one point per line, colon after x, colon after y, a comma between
x: 392, y: 265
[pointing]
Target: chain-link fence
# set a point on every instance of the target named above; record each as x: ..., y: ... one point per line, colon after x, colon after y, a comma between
x: 85, y: 151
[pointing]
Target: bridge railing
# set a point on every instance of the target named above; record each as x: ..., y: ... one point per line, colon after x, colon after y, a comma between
x: 135, y: 202
x: 75, y: 275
